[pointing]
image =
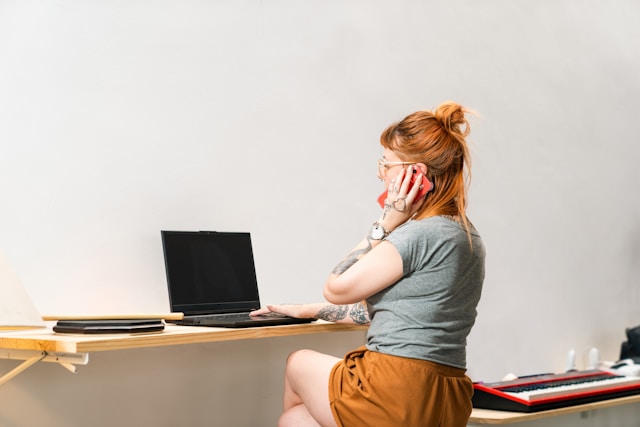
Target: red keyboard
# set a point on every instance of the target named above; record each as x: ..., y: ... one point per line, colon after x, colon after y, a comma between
x: 551, y: 391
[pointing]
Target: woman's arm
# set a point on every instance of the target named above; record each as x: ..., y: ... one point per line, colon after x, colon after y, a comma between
x: 371, y: 267
x: 374, y: 264
x: 349, y: 313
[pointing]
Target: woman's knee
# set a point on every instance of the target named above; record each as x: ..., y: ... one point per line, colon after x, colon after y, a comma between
x: 297, y: 360
x: 293, y: 377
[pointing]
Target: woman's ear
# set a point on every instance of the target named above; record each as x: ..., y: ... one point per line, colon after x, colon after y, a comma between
x: 423, y: 168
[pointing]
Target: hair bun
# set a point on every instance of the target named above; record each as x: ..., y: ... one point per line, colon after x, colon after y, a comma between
x: 452, y: 117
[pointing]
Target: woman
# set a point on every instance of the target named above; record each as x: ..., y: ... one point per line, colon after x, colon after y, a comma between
x: 416, y: 278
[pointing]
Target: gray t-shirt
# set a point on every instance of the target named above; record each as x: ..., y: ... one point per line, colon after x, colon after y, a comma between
x: 429, y: 312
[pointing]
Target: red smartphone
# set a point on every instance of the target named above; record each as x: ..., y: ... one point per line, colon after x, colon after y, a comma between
x: 424, y: 188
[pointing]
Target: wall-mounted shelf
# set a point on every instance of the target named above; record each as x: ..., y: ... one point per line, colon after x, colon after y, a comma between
x: 44, y: 345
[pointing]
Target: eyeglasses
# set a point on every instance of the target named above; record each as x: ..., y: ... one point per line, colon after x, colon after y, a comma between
x: 383, y: 165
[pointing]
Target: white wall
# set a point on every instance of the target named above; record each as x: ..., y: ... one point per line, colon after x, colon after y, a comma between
x: 122, y: 118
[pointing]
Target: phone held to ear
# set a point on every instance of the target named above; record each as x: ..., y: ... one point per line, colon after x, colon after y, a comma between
x: 424, y: 188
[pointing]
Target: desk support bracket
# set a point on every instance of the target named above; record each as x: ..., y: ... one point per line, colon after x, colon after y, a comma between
x: 30, y: 357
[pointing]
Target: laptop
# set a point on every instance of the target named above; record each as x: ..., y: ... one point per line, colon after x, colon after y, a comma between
x: 211, y: 278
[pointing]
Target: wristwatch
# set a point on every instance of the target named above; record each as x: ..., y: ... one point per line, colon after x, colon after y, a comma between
x: 377, y: 231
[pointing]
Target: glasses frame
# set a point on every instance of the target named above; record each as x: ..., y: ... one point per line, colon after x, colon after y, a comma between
x: 384, y: 165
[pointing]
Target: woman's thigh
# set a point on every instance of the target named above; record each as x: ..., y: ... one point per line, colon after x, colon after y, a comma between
x: 307, y: 382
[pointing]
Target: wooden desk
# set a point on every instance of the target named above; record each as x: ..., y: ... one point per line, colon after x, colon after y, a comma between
x: 49, y: 341
x: 70, y: 349
x: 487, y: 416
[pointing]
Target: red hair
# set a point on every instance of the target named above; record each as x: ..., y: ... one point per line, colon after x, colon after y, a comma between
x: 436, y: 139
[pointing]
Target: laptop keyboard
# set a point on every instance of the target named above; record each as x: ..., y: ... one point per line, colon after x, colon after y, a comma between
x: 229, y: 316
x: 238, y: 316
x: 239, y: 320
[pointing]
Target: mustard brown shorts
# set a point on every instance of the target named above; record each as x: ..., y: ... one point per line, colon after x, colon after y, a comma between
x: 368, y: 388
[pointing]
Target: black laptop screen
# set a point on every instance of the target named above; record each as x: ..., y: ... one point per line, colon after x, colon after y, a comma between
x: 210, y: 272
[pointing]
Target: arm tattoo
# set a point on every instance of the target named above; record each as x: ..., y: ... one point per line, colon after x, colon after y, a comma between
x: 351, y: 259
x: 333, y: 313
x: 359, y: 314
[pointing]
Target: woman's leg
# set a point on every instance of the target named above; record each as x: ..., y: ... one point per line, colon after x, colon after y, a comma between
x: 306, y: 389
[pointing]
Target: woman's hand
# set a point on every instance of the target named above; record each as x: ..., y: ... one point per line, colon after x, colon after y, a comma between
x: 301, y: 311
x: 401, y: 203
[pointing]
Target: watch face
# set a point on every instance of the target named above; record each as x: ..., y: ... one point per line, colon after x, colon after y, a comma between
x: 377, y: 232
